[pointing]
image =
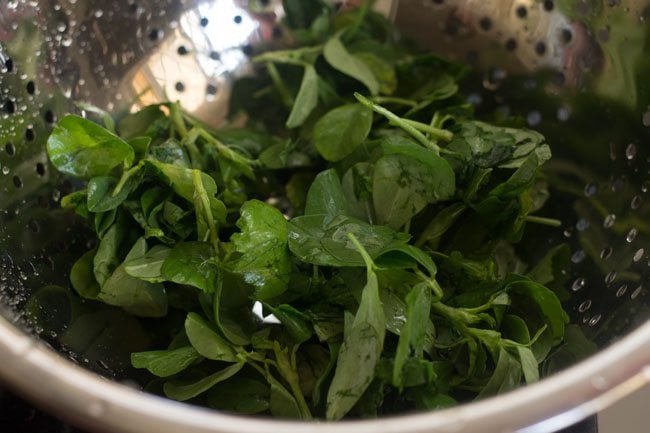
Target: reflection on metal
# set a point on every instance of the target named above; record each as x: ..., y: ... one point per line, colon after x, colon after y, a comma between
x: 595, y: 44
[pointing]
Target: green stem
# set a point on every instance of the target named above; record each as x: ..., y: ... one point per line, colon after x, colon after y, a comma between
x: 296, y: 57
x: 364, y: 254
x: 300, y: 399
x: 203, y: 196
x: 551, y: 222
x: 287, y: 100
x: 436, y: 120
x: 460, y: 318
x: 189, y: 142
x: 440, y: 223
x: 294, y: 383
x: 286, y: 366
x: 126, y: 175
x: 433, y: 285
x: 393, y: 100
x: 259, y: 369
x: 224, y: 150
x: 440, y: 134
x: 394, y: 119
x: 176, y: 115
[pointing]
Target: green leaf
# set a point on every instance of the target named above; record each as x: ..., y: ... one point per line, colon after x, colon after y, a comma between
x: 240, y: 395
x: 149, y: 266
x: 306, y: 100
x: 496, y: 146
x: 140, y: 146
x: 152, y: 202
x: 340, y: 59
x: 208, y: 342
x: 77, y: 201
x: 320, y: 382
x: 141, y: 123
x: 326, y: 195
x: 83, y: 278
x: 104, y: 221
x: 417, y: 372
x: 282, y: 403
x: 412, y: 335
x: 515, y: 328
x: 506, y: 206
x: 383, y: 71
x: 226, y: 154
x: 184, y: 390
x: 438, y: 87
x: 361, y: 349
x: 83, y: 149
x: 529, y: 365
x: 553, y: 268
x: 109, y: 123
x: 339, y: 132
x: 134, y: 295
x: 301, y: 13
x: 100, y: 192
x: 164, y: 363
x: 506, y: 375
x: 441, y: 223
x: 181, y: 180
x: 357, y: 188
x: 424, y: 399
x: 407, y: 256
x: 191, y: 263
x: 265, y: 261
x: 169, y: 151
x: 322, y: 240
x: 232, y: 311
x: 295, y: 322
x: 284, y: 155
x: 107, y: 258
x: 355, y: 366
x: 547, y: 303
x: 408, y: 178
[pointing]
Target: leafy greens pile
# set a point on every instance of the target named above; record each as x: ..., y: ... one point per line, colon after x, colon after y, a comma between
x: 377, y: 232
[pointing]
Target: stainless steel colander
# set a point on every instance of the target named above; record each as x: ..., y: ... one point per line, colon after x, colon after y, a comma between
x: 577, y: 70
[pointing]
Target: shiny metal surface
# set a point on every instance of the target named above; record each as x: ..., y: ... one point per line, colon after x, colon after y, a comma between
x: 575, y: 69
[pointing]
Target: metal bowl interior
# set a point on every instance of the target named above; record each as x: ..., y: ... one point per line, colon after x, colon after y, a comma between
x: 574, y: 70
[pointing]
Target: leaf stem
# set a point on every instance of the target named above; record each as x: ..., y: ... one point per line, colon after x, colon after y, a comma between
x: 551, y: 222
x: 176, y: 115
x: 438, y: 133
x: 189, y: 141
x: 287, y: 100
x: 394, y: 119
x: 126, y: 175
x: 203, y: 196
x: 393, y: 100
x: 286, y: 366
x: 296, y: 57
x: 364, y: 254
x: 433, y: 285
